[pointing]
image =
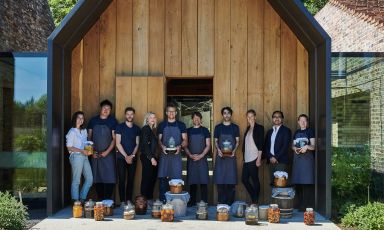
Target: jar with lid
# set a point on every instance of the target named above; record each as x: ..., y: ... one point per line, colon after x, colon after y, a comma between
x: 273, y: 213
x: 252, y: 215
x: 88, y: 209
x: 77, y: 210
x: 167, y: 213
x: 108, y: 207
x: 99, y: 211
x: 238, y: 209
x: 129, y: 211
x: 140, y: 205
x: 202, y: 211
x: 222, y: 212
x: 156, y: 209
x: 309, y: 216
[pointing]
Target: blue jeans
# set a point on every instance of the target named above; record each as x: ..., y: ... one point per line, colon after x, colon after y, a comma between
x: 80, y: 165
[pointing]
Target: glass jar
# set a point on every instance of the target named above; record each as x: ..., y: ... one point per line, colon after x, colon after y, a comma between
x: 273, y: 213
x: 77, y: 210
x: 99, y: 211
x: 252, y: 215
x: 167, y: 213
x: 156, y: 209
x: 129, y: 211
x: 222, y: 212
x: 309, y: 216
x: 88, y: 145
x: 140, y: 205
x: 202, y: 211
x: 108, y: 207
x: 88, y: 209
x: 238, y: 209
x: 226, y: 148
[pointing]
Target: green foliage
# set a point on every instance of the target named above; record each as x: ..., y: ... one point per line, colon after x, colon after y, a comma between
x: 60, y: 8
x: 31, y: 142
x: 314, y: 6
x: 367, y: 217
x: 13, y: 214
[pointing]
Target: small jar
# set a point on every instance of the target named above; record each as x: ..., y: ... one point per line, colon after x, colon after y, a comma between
x: 252, y: 215
x: 88, y: 209
x: 77, y: 210
x: 309, y: 216
x: 99, y: 211
x: 239, y: 209
x: 202, y: 211
x: 140, y: 205
x: 129, y: 211
x: 156, y: 209
x: 222, y: 212
x: 167, y: 213
x: 273, y: 213
x: 108, y: 207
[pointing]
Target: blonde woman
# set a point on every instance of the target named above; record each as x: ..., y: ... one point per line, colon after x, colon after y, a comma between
x: 148, y: 156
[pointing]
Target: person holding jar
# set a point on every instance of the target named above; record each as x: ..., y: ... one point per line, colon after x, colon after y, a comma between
x: 78, y: 158
x: 303, y: 169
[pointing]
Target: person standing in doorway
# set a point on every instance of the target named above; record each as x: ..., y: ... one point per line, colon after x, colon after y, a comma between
x: 199, y: 145
x: 172, y: 134
x: 101, y: 130
x: 127, y: 143
x: 252, y: 150
x: 227, y: 135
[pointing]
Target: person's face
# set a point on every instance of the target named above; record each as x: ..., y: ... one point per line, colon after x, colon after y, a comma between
x: 152, y: 120
x: 79, y: 120
x: 129, y: 115
x: 227, y: 115
x: 251, y: 118
x: 196, y: 120
x: 105, y: 110
x: 277, y: 119
x: 171, y: 113
x: 302, y: 122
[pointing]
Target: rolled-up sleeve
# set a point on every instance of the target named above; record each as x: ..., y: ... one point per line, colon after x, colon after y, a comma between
x: 70, y: 139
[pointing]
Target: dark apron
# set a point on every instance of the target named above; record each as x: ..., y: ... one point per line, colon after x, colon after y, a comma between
x: 225, y: 167
x: 103, y: 168
x: 197, y: 170
x: 170, y: 164
x: 303, y: 168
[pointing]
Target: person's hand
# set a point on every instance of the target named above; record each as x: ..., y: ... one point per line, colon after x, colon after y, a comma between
x: 103, y: 154
x: 86, y: 152
x: 95, y: 155
x: 153, y: 161
x: 258, y: 162
x: 297, y: 150
x: 129, y: 159
x: 233, y: 153
x: 303, y: 149
x: 178, y: 149
x: 273, y: 160
x: 163, y: 147
x: 219, y: 153
x: 198, y: 157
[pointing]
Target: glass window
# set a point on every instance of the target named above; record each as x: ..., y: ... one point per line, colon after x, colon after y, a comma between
x: 23, y: 114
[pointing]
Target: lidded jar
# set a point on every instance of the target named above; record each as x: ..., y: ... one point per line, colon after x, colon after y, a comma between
x: 156, y: 209
x: 222, y: 212
x: 202, y: 211
x: 129, y: 211
x: 167, y: 213
x: 140, y: 205
x: 99, y: 211
x: 77, y: 210
x: 88, y: 209
x: 252, y: 215
x: 273, y: 213
x: 309, y: 216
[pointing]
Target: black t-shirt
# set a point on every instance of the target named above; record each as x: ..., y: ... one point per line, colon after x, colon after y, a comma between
x: 110, y: 121
x: 302, y: 137
x: 128, y: 137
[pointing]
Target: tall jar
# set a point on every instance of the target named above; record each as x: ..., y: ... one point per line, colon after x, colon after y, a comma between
x: 309, y: 216
x: 202, y: 211
x: 99, y: 211
x: 252, y: 215
x: 167, y: 213
x: 129, y: 211
x: 88, y: 209
x: 273, y: 213
x: 77, y: 210
x: 156, y: 209
x: 140, y: 205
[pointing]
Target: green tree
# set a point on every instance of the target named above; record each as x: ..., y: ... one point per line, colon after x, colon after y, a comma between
x: 314, y: 6
x: 60, y: 8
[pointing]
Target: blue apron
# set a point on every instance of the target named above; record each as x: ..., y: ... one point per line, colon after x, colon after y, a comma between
x: 170, y: 164
x: 103, y: 168
x: 303, y: 168
x: 225, y: 167
x: 197, y: 170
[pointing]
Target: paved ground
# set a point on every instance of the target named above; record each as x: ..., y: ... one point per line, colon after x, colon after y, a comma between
x: 63, y: 220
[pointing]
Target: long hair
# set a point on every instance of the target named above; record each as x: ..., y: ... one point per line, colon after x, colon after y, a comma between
x: 74, y: 118
x: 146, y: 116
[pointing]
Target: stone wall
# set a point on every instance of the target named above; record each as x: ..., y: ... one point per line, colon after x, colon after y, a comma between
x: 25, y: 25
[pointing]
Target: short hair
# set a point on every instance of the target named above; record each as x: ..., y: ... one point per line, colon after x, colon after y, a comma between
x: 198, y: 114
x: 226, y: 108
x: 278, y: 111
x: 106, y: 102
x: 251, y: 111
x: 170, y: 105
x: 303, y: 115
x: 74, y: 118
x: 129, y: 109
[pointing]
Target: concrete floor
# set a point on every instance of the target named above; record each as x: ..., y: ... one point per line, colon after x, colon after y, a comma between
x: 63, y: 220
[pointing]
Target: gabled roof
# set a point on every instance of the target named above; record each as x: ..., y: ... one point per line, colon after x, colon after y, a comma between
x: 371, y: 11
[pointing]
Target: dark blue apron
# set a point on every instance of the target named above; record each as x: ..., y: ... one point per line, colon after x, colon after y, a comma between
x: 170, y: 164
x: 225, y: 167
x: 303, y: 168
x: 197, y: 170
x: 103, y: 168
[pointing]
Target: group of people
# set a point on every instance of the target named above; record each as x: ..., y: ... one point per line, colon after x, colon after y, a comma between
x: 116, y: 148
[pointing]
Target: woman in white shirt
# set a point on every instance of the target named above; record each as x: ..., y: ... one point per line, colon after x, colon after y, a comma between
x: 76, y: 138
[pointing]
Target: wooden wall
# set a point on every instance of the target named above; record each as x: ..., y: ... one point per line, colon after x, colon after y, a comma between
x: 254, y: 58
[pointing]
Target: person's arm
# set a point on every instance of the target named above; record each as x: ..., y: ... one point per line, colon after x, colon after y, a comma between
x: 119, y: 146
x: 206, y: 149
x: 136, y: 147
x: 311, y: 146
x: 218, y: 147
x: 236, y: 146
x: 184, y: 143
x: 70, y: 142
x: 145, y: 142
x: 286, y: 141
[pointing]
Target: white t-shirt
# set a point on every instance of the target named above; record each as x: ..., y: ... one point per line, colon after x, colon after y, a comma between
x: 76, y: 138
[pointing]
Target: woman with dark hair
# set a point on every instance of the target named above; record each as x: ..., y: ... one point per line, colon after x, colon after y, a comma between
x: 303, y: 169
x: 76, y: 138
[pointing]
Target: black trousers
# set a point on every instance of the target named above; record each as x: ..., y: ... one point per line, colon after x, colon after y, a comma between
x: 226, y: 193
x: 148, y: 177
x: 126, y: 174
x: 104, y: 191
x: 305, y: 194
x: 250, y: 174
x: 203, y: 193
